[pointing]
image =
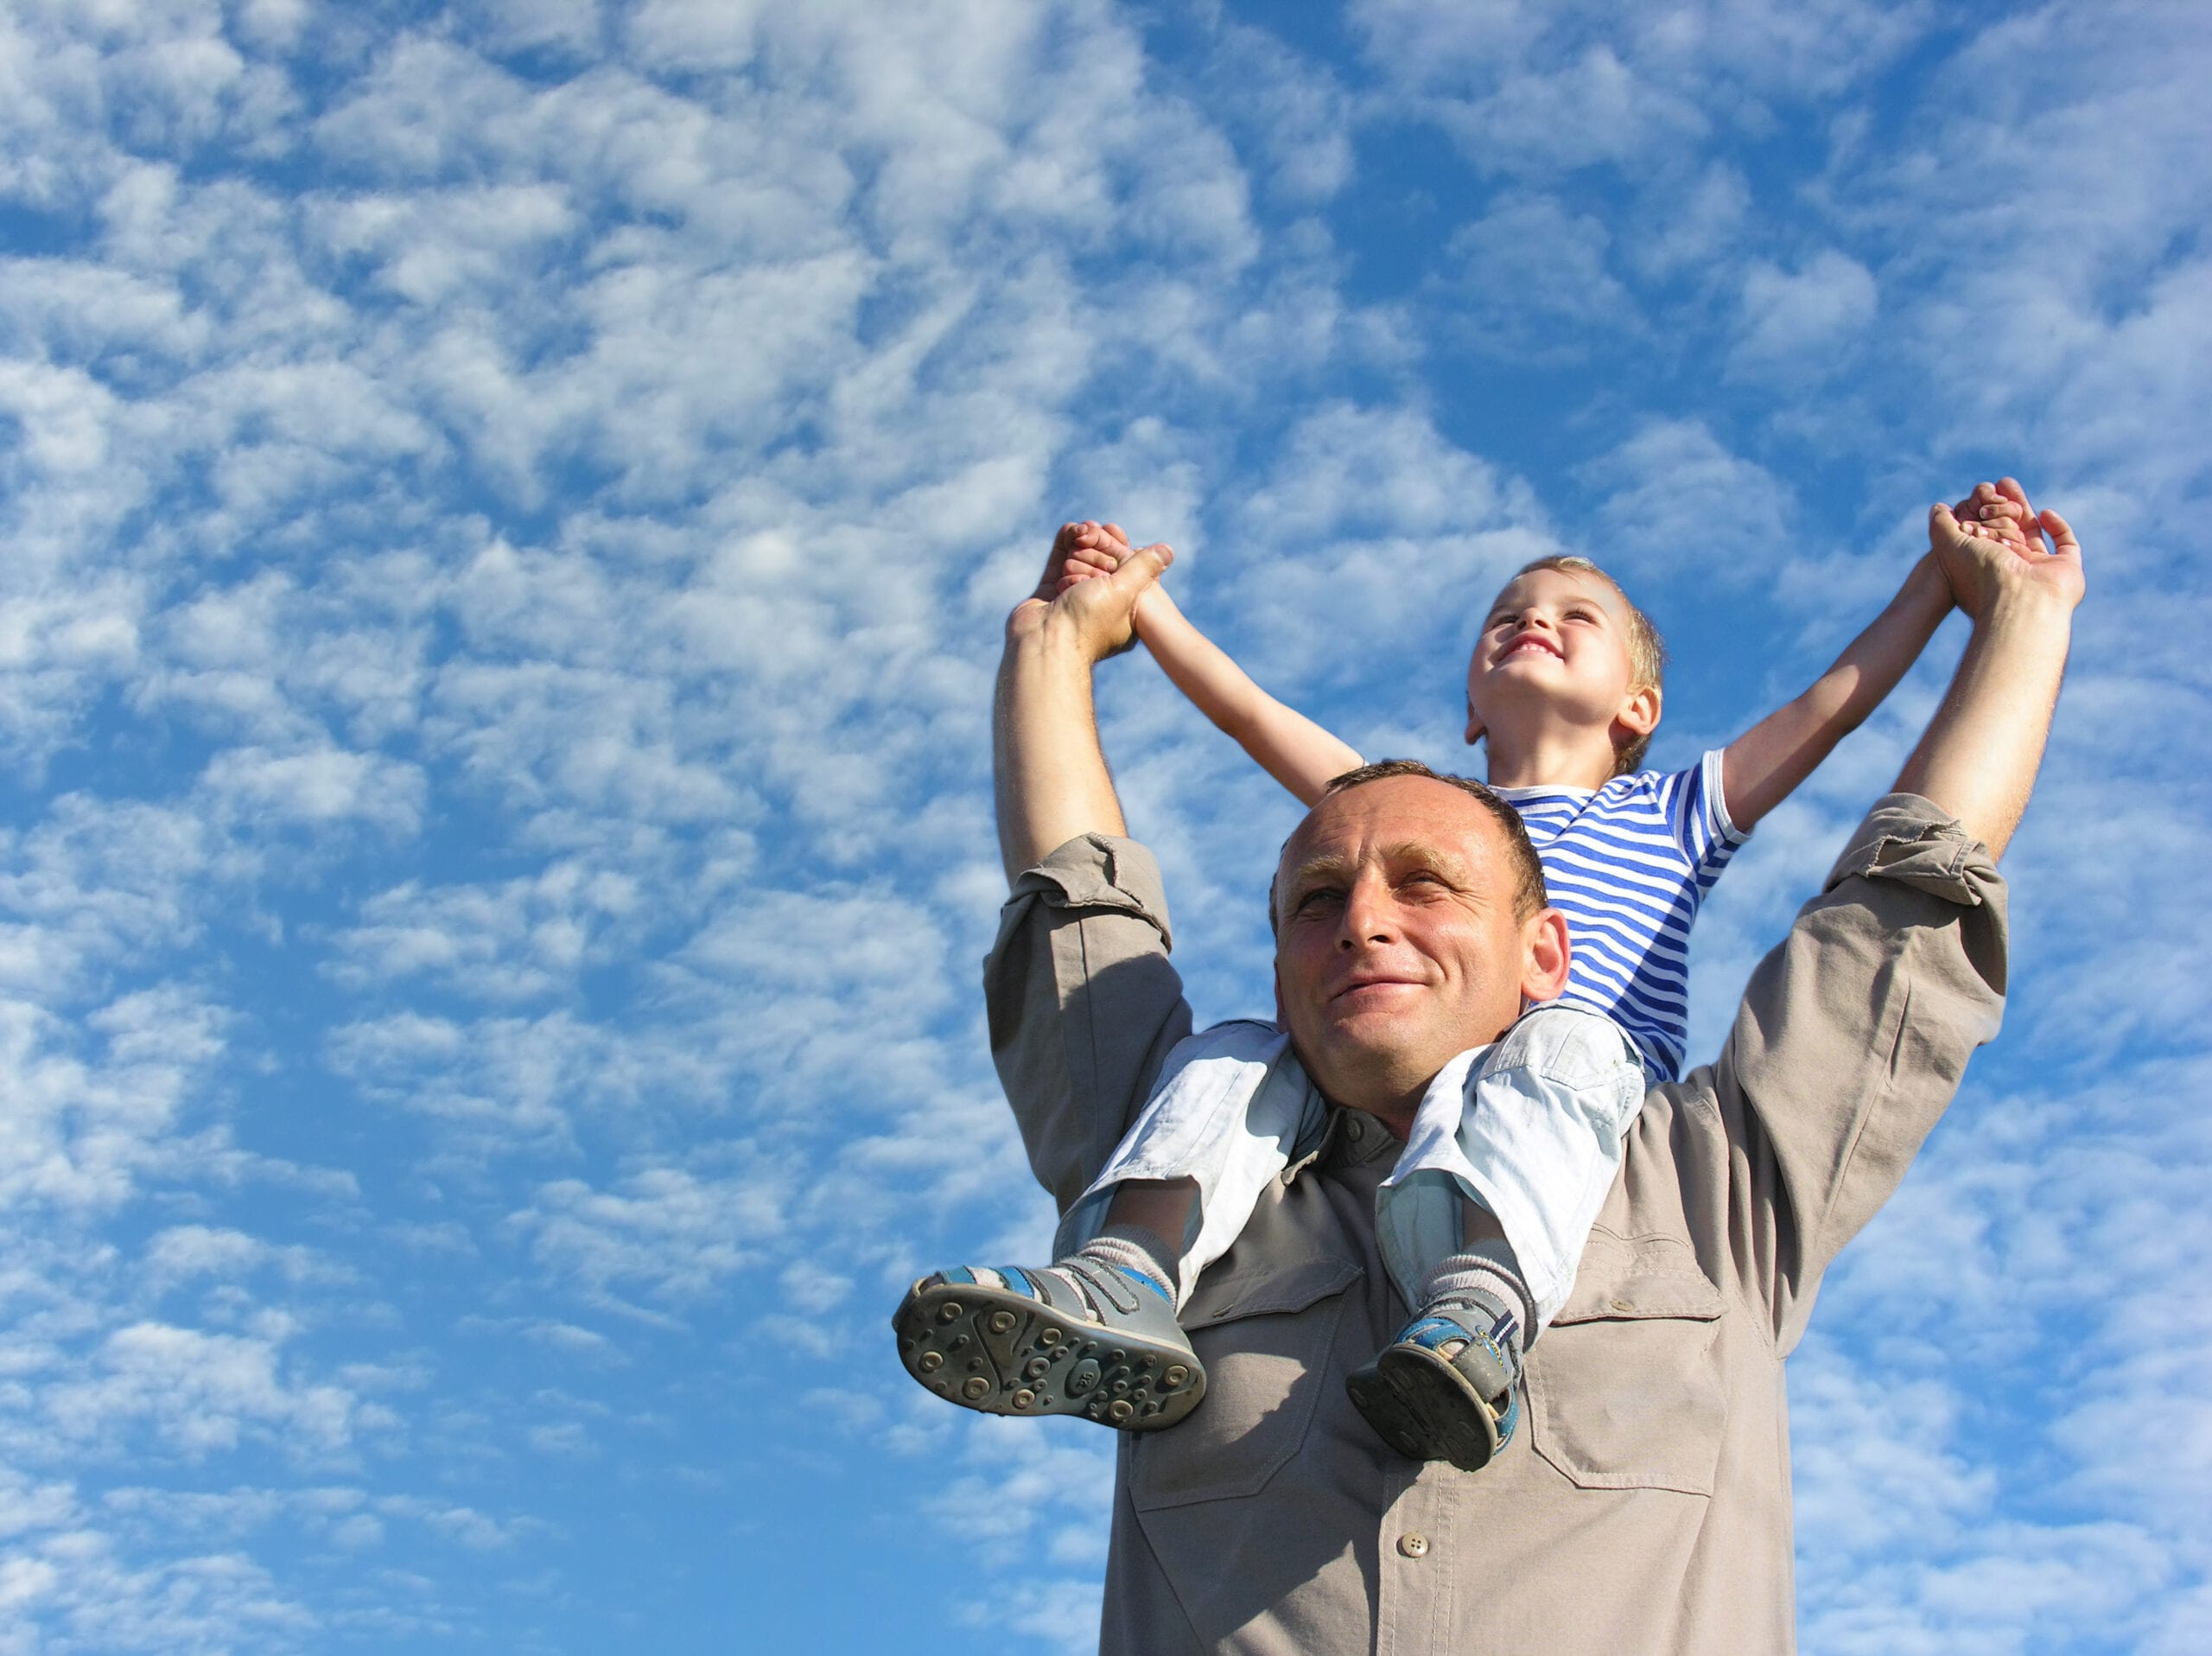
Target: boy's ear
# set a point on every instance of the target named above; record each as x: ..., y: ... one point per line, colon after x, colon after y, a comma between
x: 1475, y: 731
x: 1639, y: 713
x: 1545, y: 954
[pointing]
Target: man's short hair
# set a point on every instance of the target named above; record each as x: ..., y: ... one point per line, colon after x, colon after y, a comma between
x: 1528, y: 893
x: 1647, y: 650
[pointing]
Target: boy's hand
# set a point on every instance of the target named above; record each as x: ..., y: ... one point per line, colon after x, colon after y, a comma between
x: 1076, y: 555
x: 1100, y: 615
x: 1098, y: 549
x: 1995, y: 514
x: 1092, y: 549
x: 1993, y: 541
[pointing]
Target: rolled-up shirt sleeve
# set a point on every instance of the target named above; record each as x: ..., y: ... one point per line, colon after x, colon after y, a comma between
x: 1083, y: 1004
x: 1851, y: 1041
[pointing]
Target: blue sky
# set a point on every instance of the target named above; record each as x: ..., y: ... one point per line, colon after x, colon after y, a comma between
x: 508, y: 510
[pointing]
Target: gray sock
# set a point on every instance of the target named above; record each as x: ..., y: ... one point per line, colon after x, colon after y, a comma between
x: 1487, y: 1274
x: 1133, y: 1247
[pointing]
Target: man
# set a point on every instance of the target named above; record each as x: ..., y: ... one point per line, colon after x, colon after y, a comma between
x: 1647, y: 1506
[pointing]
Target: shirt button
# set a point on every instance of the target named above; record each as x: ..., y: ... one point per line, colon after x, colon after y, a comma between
x: 1622, y: 1305
x: 1354, y: 1130
x: 1414, y: 1544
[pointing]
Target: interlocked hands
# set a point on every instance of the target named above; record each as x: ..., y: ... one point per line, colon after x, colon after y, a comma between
x: 1992, y: 543
x: 1091, y: 586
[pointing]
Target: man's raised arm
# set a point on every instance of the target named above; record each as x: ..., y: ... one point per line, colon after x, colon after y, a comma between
x: 1855, y: 1031
x: 1979, y: 756
x: 1051, y: 775
x: 1084, y: 1005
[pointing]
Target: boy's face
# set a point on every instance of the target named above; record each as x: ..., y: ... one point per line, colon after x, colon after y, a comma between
x: 1555, y: 642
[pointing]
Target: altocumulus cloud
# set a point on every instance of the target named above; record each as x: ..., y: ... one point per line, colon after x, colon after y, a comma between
x: 509, y: 509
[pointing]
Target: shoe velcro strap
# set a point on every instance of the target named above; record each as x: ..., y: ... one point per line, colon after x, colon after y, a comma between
x: 1053, y: 1287
x: 1472, y: 1317
x: 1107, y: 1289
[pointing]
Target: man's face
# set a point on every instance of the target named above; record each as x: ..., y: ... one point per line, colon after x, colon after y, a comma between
x: 1397, y: 945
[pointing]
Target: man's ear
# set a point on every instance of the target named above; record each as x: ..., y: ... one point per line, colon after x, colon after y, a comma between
x: 1545, y: 953
x: 1639, y: 712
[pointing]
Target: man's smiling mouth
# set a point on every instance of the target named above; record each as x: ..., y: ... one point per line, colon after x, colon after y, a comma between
x: 1357, y: 984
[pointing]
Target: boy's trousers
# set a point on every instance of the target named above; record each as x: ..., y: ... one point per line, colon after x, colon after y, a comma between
x: 1530, y: 1127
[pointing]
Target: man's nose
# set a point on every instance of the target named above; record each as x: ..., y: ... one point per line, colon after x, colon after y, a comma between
x: 1369, y: 916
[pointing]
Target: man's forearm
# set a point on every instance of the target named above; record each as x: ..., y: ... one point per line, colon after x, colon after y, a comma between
x: 1979, y: 756
x: 1052, y: 781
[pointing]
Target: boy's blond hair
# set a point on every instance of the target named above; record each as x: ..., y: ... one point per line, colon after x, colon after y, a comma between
x: 1647, y: 650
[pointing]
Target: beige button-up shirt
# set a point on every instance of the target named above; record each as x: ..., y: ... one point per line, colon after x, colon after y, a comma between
x: 1644, y: 1505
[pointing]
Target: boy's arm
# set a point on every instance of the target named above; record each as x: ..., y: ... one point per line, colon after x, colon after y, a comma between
x: 1764, y: 765
x: 1287, y: 745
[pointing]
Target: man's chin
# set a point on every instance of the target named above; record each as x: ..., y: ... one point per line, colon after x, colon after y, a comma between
x: 1365, y: 1060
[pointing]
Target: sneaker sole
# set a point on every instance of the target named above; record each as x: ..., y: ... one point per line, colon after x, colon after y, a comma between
x: 998, y: 1351
x: 1423, y: 1407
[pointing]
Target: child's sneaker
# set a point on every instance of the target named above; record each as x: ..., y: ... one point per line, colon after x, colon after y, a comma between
x: 1079, y: 1338
x: 1448, y: 1388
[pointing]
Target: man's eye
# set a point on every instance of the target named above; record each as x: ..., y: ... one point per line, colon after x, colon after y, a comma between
x: 1315, y: 899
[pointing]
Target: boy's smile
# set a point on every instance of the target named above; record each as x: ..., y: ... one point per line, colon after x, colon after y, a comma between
x: 1539, y: 643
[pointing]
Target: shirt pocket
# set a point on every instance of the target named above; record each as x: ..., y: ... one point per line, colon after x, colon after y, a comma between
x: 1266, y: 1342
x: 1625, y: 1388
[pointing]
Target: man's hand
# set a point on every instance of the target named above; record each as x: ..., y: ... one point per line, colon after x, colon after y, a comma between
x: 1993, y: 544
x: 1089, y: 589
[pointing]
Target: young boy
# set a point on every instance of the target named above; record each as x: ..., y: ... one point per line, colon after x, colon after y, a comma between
x: 1514, y: 1147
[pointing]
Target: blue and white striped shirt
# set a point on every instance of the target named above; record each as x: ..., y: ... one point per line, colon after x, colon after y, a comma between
x: 1628, y: 865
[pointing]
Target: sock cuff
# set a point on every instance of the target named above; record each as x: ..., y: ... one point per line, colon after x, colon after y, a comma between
x: 1137, y: 1253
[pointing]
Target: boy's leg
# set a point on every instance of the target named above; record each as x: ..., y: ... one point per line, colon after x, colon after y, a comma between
x: 1484, y: 1223
x: 1140, y: 1220
x: 1095, y: 1333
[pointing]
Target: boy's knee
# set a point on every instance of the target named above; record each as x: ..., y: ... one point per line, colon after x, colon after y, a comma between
x: 1570, y: 1047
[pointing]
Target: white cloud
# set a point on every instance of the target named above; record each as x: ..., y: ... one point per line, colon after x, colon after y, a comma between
x: 662, y: 1230
x: 1298, y: 111
x: 695, y: 35
x: 508, y: 518
x: 195, y: 1392
x: 1532, y: 276
x: 1545, y: 87
x: 1673, y: 496
x: 1807, y: 324
x: 514, y: 941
